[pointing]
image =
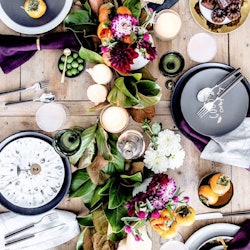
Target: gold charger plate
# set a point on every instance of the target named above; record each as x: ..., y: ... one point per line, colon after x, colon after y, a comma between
x: 218, y: 28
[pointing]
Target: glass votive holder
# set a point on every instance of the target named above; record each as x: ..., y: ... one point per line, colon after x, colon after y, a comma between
x: 201, y: 47
x: 131, y: 144
x: 167, y: 25
x: 51, y: 116
x: 114, y: 119
x: 171, y: 64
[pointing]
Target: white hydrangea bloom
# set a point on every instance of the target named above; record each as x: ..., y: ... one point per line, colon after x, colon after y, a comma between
x: 169, y: 152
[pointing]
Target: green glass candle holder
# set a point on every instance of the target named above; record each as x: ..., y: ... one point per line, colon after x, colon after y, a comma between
x: 67, y: 142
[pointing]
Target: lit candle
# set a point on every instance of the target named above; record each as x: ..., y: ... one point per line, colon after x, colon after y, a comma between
x: 114, y: 119
x: 167, y: 25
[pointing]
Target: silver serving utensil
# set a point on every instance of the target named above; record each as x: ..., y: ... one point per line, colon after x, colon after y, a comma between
x: 204, y: 94
x: 39, y: 233
x: 207, y: 107
x: 45, y: 219
x: 218, y: 215
x: 45, y: 97
x: 35, y: 86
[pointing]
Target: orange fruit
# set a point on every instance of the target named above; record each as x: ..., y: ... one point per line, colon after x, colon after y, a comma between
x: 104, y: 11
x: 35, y: 9
x: 127, y: 39
x: 207, y: 195
x: 101, y: 27
x: 123, y: 10
x: 185, y: 215
x: 220, y: 183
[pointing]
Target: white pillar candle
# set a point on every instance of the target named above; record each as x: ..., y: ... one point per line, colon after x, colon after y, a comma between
x: 167, y: 25
x: 114, y: 119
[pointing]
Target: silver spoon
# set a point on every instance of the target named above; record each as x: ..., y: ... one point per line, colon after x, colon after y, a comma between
x: 205, y: 93
x: 67, y: 53
x: 45, y: 97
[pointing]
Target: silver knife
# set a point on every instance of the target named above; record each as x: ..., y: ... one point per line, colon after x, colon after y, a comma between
x: 28, y: 236
x: 218, y: 215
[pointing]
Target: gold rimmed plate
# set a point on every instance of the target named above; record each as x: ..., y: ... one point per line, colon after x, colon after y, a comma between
x: 202, y: 19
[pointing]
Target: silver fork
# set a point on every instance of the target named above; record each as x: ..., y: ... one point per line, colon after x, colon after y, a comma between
x: 207, y: 107
x: 36, y: 86
x: 45, y: 219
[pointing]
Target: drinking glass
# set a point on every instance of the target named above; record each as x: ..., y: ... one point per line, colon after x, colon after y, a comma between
x: 171, y: 63
x: 168, y: 24
x: 52, y: 116
x: 67, y: 142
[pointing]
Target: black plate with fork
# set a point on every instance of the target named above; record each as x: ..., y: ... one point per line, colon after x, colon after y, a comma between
x: 184, y: 103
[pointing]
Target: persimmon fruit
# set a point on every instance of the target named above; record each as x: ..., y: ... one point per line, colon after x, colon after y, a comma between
x: 35, y: 8
x: 207, y: 195
x: 220, y: 183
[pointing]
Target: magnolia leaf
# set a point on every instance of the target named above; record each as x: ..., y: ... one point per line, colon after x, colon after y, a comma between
x: 95, y: 170
x: 87, y: 156
x: 96, y: 198
x: 127, y: 85
x: 139, y: 115
x: 99, y: 106
x: 102, y: 143
x: 146, y: 74
x: 134, y: 6
x: 147, y: 101
x: 117, y: 194
x: 77, y: 17
x: 90, y: 55
x: 137, y: 177
x: 148, y: 88
x: 86, y: 191
x: 115, y: 237
x: 86, y: 136
x: 79, y: 177
x: 100, y: 242
x: 100, y: 221
x: 86, y: 221
x: 105, y: 189
x: 82, y: 239
x: 114, y: 217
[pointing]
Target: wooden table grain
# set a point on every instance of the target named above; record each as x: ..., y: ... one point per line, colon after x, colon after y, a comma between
x: 233, y: 49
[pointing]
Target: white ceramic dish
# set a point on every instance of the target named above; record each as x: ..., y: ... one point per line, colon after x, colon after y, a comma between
x: 15, y: 17
x: 202, y: 235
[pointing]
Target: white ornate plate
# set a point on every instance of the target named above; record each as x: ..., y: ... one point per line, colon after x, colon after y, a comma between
x: 15, y: 17
x: 209, y: 232
x: 33, y: 176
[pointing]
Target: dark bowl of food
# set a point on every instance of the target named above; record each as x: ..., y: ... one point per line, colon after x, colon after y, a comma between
x: 75, y: 65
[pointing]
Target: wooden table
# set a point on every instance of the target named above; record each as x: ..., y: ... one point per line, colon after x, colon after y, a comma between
x: 233, y: 49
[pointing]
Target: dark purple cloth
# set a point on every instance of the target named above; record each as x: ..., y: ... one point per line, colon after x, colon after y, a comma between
x: 16, y: 50
x: 200, y: 141
x: 241, y: 240
x: 166, y: 5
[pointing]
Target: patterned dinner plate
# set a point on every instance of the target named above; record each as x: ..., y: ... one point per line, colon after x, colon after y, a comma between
x: 34, y: 178
x: 202, y: 17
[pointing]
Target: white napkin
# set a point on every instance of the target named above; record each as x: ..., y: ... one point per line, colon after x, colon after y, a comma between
x: 232, y: 148
x: 49, y: 238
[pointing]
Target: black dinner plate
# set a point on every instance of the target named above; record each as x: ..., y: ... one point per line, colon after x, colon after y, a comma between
x: 175, y: 104
x: 226, y: 115
x: 14, y: 16
x: 62, y: 191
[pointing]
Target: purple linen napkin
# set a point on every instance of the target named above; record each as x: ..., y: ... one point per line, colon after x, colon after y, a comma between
x: 241, y: 240
x: 16, y: 50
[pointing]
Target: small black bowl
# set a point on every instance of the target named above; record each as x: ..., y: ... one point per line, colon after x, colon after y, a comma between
x: 223, y: 200
x: 75, y: 64
x: 171, y: 64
